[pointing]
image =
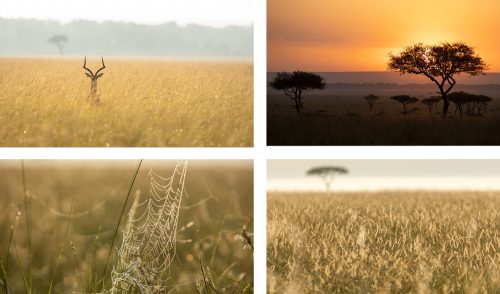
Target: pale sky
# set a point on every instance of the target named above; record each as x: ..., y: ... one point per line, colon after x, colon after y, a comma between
x: 205, y: 12
x: 290, y: 175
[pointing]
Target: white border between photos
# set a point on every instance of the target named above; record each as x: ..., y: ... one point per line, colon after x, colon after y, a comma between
x: 260, y: 164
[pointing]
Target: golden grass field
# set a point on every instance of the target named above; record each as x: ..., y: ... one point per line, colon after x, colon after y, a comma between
x: 147, y: 103
x: 384, y: 242
x: 216, y: 206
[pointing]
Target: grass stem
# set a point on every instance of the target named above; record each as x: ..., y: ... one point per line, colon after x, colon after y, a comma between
x: 101, y: 285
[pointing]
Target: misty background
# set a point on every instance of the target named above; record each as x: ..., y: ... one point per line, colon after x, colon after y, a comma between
x: 375, y: 175
x: 25, y: 37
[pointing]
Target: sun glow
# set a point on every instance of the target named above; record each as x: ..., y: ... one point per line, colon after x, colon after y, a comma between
x: 358, y: 35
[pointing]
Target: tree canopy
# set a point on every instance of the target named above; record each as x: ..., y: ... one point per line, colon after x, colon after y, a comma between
x: 327, y: 173
x: 58, y: 40
x: 439, y: 63
x: 404, y: 100
x: 297, y: 82
x: 371, y: 100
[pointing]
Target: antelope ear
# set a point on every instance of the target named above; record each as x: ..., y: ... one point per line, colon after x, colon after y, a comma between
x: 88, y: 75
x: 100, y: 75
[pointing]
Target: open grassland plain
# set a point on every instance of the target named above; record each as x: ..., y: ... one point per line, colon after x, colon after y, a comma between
x: 147, y: 103
x: 60, y: 235
x: 340, y: 115
x: 384, y: 242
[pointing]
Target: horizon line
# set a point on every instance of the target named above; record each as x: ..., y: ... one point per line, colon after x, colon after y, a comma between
x: 367, y: 71
x: 391, y: 190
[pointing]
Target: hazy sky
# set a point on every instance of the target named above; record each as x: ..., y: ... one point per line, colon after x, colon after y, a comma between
x: 207, y: 12
x: 357, y: 35
x: 388, y: 174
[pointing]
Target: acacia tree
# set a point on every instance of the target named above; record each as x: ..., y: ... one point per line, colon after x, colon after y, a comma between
x: 431, y: 102
x: 296, y: 83
x: 371, y: 100
x: 439, y: 63
x: 327, y: 173
x: 404, y: 100
x: 59, y: 41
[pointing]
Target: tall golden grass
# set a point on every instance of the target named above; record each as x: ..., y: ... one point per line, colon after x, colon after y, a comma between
x: 384, y: 242
x: 43, y: 102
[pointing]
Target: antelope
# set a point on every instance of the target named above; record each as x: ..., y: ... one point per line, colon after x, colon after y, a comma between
x: 93, y: 95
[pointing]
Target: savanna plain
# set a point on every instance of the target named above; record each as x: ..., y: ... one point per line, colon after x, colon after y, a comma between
x: 383, y: 242
x: 341, y: 114
x: 59, y: 229
x: 143, y: 102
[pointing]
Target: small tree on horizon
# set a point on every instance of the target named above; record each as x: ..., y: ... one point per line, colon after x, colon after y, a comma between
x: 371, y: 100
x: 327, y: 173
x: 431, y: 102
x: 59, y: 41
x: 404, y: 100
x: 296, y: 83
x: 439, y: 63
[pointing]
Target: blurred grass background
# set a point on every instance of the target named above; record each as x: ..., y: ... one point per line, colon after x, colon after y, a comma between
x: 216, y: 206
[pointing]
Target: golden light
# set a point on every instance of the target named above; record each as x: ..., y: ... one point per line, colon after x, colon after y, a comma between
x: 358, y: 35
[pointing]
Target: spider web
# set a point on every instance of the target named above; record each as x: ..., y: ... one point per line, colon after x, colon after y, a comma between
x: 149, y: 237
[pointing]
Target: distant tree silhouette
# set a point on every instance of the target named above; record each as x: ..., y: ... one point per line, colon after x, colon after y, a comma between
x: 371, y: 100
x: 404, y: 100
x: 296, y: 83
x: 439, y: 63
x: 472, y: 103
x: 327, y: 173
x: 482, y: 101
x: 431, y: 102
x: 59, y: 41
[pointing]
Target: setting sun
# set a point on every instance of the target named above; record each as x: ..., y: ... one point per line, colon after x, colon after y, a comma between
x: 344, y: 35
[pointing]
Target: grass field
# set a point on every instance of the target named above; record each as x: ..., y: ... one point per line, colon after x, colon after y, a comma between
x: 43, y: 102
x: 384, y: 242
x: 339, y: 115
x: 70, y: 245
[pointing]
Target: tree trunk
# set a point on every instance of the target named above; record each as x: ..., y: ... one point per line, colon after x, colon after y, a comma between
x: 297, y: 104
x: 446, y: 104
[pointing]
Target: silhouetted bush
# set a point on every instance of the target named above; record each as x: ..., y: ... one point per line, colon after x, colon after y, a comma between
x: 471, y: 102
x: 431, y: 102
x: 404, y: 100
x: 371, y: 100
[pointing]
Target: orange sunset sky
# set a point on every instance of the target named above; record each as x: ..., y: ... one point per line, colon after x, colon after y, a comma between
x: 357, y: 35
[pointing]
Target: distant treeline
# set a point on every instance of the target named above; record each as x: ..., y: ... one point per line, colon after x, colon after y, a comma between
x: 30, y: 37
x: 394, y: 78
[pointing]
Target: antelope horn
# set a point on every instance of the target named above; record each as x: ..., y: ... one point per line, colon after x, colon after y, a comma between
x: 85, y: 65
x: 103, y: 66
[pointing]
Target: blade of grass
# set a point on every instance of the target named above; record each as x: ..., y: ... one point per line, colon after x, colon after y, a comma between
x: 27, y: 208
x: 101, y: 285
x: 61, y: 249
x: 21, y: 268
x: 11, y: 237
x: 5, y: 278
